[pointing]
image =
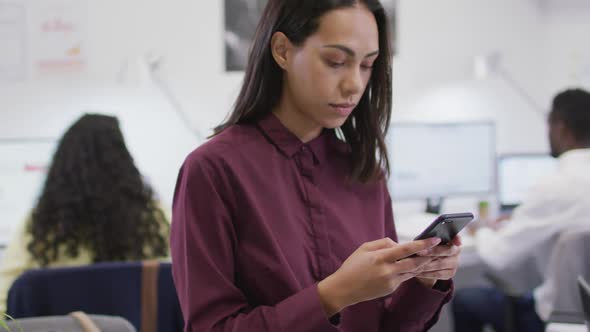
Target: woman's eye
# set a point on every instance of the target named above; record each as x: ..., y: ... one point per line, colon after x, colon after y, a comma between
x: 367, y: 67
x: 334, y: 64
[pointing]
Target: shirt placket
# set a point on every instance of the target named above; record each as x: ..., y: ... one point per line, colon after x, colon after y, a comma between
x: 308, y: 168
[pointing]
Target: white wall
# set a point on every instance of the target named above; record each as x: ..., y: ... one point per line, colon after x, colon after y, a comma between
x: 432, y: 78
x: 189, y: 35
x: 567, y: 52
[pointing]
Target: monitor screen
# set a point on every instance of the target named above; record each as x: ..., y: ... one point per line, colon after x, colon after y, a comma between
x: 440, y: 160
x: 517, y: 173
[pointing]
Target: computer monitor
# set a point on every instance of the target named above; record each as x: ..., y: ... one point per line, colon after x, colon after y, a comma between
x: 517, y: 173
x: 437, y: 160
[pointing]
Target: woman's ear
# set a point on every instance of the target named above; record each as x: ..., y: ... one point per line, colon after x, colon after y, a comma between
x: 280, y: 47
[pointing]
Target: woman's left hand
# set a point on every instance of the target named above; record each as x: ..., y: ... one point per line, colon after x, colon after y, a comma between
x: 444, y: 264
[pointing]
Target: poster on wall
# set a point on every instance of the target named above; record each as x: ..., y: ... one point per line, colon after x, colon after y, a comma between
x: 58, y: 36
x: 23, y: 167
x: 241, y: 19
x: 12, y: 42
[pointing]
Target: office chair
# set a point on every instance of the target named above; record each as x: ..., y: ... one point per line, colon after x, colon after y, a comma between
x: 141, y: 292
x: 585, y: 297
x: 558, y: 292
x: 74, y: 322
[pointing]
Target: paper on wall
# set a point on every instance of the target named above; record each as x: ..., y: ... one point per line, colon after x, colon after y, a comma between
x: 12, y: 42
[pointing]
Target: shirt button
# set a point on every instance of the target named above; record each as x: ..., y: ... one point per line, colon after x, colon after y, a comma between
x: 303, y: 148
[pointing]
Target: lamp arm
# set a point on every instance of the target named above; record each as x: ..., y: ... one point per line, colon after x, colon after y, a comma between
x: 520, y: 91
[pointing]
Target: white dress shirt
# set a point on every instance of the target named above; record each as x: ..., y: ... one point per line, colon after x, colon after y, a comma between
x: 558, y: 202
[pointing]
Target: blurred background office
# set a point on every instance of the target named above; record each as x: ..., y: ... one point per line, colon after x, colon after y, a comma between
x: 473, y: 84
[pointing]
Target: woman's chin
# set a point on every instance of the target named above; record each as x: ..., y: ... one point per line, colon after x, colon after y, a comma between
x: 334, y: 123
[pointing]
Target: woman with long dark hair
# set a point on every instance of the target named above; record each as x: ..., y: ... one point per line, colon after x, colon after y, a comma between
x: 282, y: 221
x: 94, y: 207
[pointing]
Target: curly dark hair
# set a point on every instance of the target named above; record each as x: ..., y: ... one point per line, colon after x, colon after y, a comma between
x: 95, y: 198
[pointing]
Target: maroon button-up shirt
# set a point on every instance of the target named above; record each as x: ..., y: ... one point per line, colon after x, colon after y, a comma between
x: 259, y: 218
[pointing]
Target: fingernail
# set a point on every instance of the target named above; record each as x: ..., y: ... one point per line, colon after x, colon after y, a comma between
x: 435, y: 241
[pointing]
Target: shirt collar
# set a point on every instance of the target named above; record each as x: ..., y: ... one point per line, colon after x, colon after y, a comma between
x: 289, y: 144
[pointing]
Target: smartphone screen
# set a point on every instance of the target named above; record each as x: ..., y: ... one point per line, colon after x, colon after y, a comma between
x: 446, y: 226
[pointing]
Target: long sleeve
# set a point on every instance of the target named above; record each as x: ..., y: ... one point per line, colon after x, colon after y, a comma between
x: 15, y: 261
x: 550, y: 208
x: 203, y: 248
x: 412, y: 307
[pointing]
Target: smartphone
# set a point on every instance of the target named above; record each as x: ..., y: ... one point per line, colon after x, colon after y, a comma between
x: 446, y: 226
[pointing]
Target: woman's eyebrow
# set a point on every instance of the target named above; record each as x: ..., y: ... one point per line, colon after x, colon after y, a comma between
x: 349, y: 51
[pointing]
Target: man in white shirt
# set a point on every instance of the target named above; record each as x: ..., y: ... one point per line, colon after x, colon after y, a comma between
x: 558, y: 202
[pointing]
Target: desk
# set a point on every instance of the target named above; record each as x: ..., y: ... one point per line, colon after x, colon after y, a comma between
x: 562, y: 327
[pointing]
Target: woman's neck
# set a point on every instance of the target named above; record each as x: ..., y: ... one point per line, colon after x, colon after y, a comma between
x: 296, y: 121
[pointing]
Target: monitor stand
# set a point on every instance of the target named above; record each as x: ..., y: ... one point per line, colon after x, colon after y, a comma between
x: 433, y: 205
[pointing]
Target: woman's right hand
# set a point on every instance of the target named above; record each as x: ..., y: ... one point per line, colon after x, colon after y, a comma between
x: 374, y: 270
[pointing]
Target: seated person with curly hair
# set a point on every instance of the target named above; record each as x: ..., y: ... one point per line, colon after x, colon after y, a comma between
x: 94, y: 207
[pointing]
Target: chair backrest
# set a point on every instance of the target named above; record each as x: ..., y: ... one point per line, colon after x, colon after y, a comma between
x: 585, y: 296
x: 71, y: 323
x: 558, y: 297
x: 527, y: 271
x: 114, y: 289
